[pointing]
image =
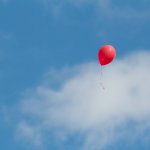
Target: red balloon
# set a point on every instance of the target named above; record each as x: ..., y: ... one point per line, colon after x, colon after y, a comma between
x: 106, y: 54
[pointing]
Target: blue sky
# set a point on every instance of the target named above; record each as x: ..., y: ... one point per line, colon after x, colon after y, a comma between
x: 46, y: 46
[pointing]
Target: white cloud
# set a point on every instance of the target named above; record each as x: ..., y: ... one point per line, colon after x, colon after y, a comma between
x: 26, y: 131
x: 80, y: 105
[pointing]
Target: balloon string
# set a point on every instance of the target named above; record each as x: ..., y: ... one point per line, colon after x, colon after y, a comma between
x: 101, y: 76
